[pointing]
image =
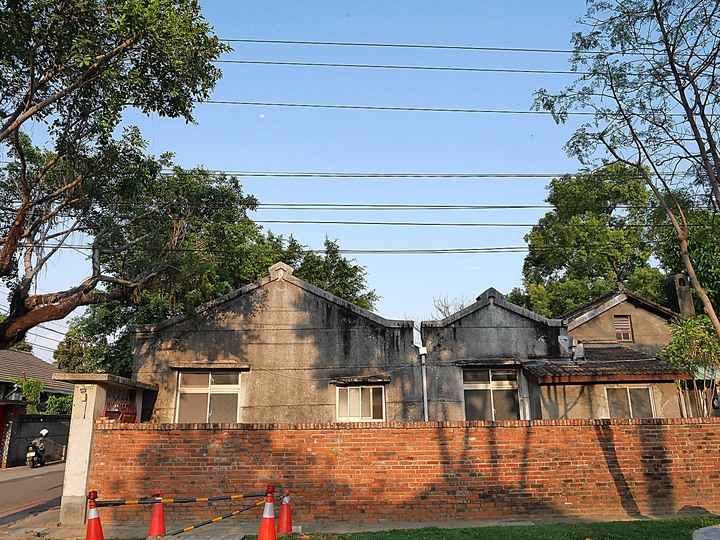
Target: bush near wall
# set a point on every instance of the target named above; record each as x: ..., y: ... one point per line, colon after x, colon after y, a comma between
x: 436, y: 471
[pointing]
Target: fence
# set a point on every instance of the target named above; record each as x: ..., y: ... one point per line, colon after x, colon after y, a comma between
x: 598, y: 469
x: 26, y: 427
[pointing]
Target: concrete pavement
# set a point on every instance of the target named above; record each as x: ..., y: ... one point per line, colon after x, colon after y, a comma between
x: 708, y: 533
x: 45, y: 525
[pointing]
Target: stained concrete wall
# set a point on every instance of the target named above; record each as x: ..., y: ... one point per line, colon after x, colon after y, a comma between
x: 575, y: 401
x: 291, y: 339
x: 650, y: 331
x: 491, y: 331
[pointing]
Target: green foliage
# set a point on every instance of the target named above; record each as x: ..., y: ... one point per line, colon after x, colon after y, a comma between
x: 75, y: 66
x: 703, y: 241
x: 649, y: 83
x: 694, y: 347
x: 593, y: 238
x: 337, y: 275
x: 59, y: 405
x: 643, y: 529
x: 31, y: 390
x: 88, y: 59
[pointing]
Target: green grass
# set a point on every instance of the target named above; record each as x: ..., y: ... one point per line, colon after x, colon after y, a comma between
x: 661, y: 529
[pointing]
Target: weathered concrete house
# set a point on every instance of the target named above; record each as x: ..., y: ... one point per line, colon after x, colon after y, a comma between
x: 280, y: 350
x: 624, y: 318
x: 496, y: 361
x: 279, y: 363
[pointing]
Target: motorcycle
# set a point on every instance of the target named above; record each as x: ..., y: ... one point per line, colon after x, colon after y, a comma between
x: 35, y: 456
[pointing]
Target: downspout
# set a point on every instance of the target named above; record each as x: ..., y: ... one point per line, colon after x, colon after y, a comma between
x: 423, y: 353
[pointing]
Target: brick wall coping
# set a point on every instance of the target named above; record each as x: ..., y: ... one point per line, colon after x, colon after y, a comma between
x: 345, y: 426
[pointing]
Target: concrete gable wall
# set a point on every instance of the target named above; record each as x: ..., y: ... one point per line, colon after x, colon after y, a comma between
x: 291, y: 340
x: 650, y: 331
x: 491, y: 332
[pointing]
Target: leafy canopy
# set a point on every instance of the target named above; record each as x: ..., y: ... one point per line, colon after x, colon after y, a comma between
x: 592, y: 239
x: 649, y: 77
x: 31, y: 390
x: 74, y: 66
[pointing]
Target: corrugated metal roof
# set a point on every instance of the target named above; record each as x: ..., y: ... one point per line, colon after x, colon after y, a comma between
x: 14, y: 363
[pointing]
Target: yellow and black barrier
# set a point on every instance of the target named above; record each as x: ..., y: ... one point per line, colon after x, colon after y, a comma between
x: 215, y: 520
x: 159, y: 526
x: 177, y: 500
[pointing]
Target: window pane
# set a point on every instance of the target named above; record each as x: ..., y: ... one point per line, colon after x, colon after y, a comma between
x: 507, y: 405
x: 365, y: 402
x: 224, y: 377
x: 192, y: 408
x: 623, y: 328
x: 618, y: 403
x: 377, y: 403
x: 476, y: 375
x: 194, y: 380
x: 223, y: 408
x: 342, y: 402
x: 354, y: 402
x: 477, y: 405
x: 640, y: 400
x: 504, y: 375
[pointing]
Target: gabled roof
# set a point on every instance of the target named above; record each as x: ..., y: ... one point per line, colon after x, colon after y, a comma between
x: 14, y: 363
x: 605, y: 364
x: 607, y: 301
x: 492, y: 297
x: 277, y: 272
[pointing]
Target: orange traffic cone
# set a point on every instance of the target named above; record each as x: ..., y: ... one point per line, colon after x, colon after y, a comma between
x: 157, y: 522
x: 285, y: 520
x: 267, y: 525
x: 94, y: 528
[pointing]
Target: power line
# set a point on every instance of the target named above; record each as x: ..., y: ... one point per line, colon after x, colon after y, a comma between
x: 385, y: 108
x: 402, y: 67
x: 391, y: 223
x: 404, y: 46
x: 383, y: 207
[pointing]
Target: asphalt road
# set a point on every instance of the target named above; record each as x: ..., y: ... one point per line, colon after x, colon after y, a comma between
x: 24, y: 491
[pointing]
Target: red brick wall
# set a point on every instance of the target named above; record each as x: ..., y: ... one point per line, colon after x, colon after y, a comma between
x: 597, y: 469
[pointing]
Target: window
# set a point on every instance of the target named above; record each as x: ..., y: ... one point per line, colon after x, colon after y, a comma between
x: 623, y: 328
x: 360, y: 403
x: 630, y: 402
x: 208, y: 396
x: 491, y: 394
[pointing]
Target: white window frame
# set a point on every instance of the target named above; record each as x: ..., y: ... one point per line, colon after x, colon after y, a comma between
x: 627, y: 388
x: 492, y: 385
x: 347, y: 417
x: 209, y: 390
x: 623, y: 330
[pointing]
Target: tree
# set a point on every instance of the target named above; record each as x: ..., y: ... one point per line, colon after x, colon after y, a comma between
x: 650, y: 81
x: 59, y: 405
x: 694, y: 347
x: 336, y: 274
x: 31, y: 390
x: 443, y: 306
x: 703, y: 244
x: 593, y: 239
x: 74, y: 66
x: 99, y: 340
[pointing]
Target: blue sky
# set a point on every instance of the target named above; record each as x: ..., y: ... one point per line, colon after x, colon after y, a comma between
x: 284, y: 139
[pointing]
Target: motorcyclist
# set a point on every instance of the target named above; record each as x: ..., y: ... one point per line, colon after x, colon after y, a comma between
x: 36, y: 450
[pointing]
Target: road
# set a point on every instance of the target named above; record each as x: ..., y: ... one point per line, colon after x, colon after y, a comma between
x: 24, y: 491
